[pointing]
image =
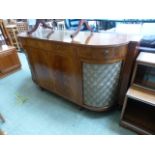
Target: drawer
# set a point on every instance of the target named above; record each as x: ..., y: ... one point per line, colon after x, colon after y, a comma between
x: 53, y: 47
x: 105, y: 53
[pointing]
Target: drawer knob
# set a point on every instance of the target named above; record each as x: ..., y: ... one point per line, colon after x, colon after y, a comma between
x: 57, y: 47
x: 106, y: 51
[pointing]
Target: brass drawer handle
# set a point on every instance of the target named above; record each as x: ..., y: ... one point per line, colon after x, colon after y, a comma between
x: 57, y: 47
x: 106, y: 51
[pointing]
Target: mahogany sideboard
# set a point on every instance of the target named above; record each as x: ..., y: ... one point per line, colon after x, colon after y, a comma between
x: 86, y: 70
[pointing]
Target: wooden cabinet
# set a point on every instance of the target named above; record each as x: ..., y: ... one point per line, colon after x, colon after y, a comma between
x: 9, y: 61
x: 138, y: 111
x: 56, y: 69
x: 128, y: 67
x: 85, y: 70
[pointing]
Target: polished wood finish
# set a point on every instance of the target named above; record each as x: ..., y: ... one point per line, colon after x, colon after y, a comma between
x: 138, y: 111
x: 141, y: 94
x: 56, y: 60
x: 127, y: 70
x: 95, y: 39
x: 9, y: 61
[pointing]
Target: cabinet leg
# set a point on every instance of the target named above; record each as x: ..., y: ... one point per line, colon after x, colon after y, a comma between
x: 42, y: 89
x: 81, y: 108
x: 2, y: 132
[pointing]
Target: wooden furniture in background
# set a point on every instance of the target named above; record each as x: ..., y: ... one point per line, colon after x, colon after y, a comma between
x: 4, y: 34
x: 22, y: 26
x: 2, y: 132
x: 144, y: 71
x: 13, y: 31
x: 9, y: 61
x: 79, y: 69
x: 138, y: 111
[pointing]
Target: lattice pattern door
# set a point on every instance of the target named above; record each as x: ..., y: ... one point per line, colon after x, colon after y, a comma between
x: 100, y: 84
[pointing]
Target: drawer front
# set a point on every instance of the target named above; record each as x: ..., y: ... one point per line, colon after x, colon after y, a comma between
x: 53, y: 47
x: 103, y: 54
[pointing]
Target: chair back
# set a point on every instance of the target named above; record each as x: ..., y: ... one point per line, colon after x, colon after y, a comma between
x: 5, y: 38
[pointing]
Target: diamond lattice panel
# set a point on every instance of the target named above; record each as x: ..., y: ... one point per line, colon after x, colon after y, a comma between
x: 100, y: 83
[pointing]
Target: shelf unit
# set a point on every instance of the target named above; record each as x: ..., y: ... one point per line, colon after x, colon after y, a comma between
x: 138, y: 111
x: 144, y: 71
x: 22, y: 26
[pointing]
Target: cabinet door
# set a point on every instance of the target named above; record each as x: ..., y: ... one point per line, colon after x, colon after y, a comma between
x: 67, y: 80
x: 39, y: 62
x: 8, y: 61
x: 57, y: 70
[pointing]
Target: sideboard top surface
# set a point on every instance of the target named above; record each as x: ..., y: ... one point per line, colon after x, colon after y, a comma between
x: 82, y: 38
